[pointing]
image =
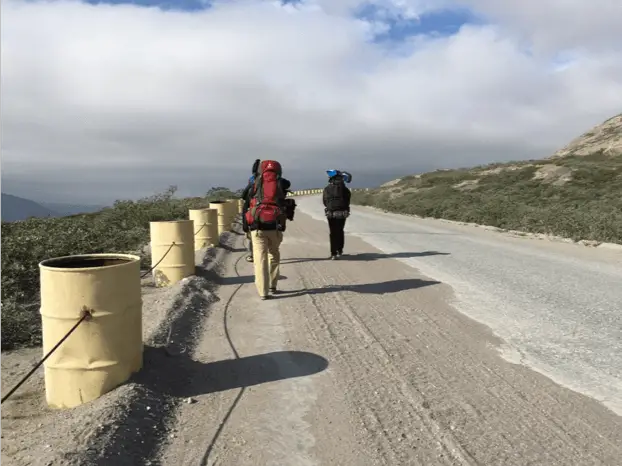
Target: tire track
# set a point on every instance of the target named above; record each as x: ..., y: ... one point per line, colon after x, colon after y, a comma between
x: 480, y: 408
x: 455, y: 453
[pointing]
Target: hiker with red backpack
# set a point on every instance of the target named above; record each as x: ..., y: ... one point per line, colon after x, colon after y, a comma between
x: 336, y: 198
x: 266, y: 217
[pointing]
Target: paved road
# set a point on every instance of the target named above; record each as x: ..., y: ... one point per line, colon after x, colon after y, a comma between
x: 558, y: 307
x: 365, y: 360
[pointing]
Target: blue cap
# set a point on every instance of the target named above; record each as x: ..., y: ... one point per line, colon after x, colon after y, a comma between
x: 332, y: 173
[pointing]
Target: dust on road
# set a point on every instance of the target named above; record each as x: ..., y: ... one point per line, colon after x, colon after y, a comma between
x: 364, y: 361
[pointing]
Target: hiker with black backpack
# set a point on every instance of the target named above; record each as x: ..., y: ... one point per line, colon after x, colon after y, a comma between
x: 336, y: 199
x: 266, y: 217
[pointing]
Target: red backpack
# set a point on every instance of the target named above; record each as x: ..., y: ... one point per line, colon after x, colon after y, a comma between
x: 266, y: 205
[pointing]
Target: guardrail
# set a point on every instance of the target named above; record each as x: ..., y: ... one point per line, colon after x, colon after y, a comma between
x: 308, y: 192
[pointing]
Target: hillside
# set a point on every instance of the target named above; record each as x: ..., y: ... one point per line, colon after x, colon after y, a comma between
x: 576, y: 193
x: 18, y: 208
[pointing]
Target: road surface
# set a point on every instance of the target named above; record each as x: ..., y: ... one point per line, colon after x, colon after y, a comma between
x: 390, y: 356
x: 557, y: 306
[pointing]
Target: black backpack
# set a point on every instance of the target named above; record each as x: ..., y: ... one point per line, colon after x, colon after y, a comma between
x: 336, y: 196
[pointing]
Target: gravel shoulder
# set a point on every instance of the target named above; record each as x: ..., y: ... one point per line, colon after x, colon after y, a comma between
x: 365, y: 361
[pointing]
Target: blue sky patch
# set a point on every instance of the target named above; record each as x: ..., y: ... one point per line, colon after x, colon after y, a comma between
x: 395, y: 26
x: 167, y: 5
x: 438, y: 23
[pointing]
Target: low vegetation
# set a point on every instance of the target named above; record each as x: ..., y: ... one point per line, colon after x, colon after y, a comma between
x: 574, y: 196
x: 122, y: 228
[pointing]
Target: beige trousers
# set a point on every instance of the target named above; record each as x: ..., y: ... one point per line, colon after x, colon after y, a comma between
x: 266, y: 256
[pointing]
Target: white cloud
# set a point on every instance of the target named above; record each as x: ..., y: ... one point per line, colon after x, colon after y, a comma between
x: 124, y: 100
x: 551, y: 25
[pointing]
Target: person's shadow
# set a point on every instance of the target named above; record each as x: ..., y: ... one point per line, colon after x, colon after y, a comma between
x: 188, y: 378
x: 392, y: 286
x: 368, y: 256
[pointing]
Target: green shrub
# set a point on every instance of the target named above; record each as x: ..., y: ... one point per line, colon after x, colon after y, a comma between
x: 589, y: 206
x: 123, y: 228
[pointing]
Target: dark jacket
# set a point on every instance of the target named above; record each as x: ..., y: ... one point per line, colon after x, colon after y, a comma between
x: 246, y: 196
x: 336, y: 196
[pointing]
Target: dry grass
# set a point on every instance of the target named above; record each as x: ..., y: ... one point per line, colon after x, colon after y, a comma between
x: 577, y: 196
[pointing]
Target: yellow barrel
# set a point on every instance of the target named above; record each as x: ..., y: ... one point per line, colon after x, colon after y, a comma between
x: 176, y: 262
x: 104, y: 350
x: 221, y: 208
x: 205, y: 227
x: 232, y: 205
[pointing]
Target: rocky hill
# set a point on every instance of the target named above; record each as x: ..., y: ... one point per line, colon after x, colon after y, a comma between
x: 576, y: 193
x: 606, y: 137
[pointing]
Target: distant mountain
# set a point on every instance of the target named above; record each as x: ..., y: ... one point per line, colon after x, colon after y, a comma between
x: 17, y: 208
x: 71, y: 209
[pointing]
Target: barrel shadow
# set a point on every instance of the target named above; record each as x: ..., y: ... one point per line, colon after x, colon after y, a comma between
x: 146, y: 408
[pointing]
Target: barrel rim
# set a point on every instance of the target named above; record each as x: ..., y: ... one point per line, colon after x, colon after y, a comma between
x: 132, y: 259
x: 170, y: 221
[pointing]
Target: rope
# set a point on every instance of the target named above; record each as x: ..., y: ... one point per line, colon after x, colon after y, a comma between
x: 86, y: 315
x: 158, y: 263
x: 237, y: 399
x: 197, y: 232
x: 170, y: 330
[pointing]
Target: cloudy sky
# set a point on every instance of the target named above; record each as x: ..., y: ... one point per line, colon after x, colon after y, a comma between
x: 119, y: 99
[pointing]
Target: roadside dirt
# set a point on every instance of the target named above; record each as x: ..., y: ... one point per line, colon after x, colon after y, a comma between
x: 360, y: 361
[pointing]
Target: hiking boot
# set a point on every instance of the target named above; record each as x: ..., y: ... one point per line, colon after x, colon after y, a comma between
x: 333, y: 258
x: 249, y: 258
x: 263, y: 298
x: 273, y: 290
